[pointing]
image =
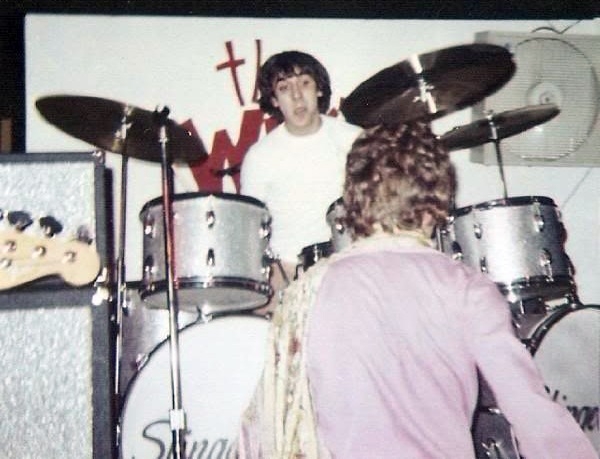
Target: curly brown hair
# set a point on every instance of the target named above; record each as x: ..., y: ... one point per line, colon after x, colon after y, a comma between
x: 395, y: 176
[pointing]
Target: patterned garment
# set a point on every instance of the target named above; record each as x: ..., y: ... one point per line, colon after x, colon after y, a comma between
x: 280, y: 423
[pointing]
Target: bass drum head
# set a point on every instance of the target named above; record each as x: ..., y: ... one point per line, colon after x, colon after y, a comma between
x: 220, y: 362
x: 568, y: 358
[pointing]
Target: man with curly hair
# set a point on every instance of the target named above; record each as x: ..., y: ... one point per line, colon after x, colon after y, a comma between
x: 375, y: 351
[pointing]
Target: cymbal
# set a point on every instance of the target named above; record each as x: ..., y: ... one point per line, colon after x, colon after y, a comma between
x: 430, y: 85
x: 99, y: 122
x: 506, y: 124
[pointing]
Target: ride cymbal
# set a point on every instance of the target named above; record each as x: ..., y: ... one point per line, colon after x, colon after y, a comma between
x: 498, y: 126
x: 119, y: 128
x: 430, y: 85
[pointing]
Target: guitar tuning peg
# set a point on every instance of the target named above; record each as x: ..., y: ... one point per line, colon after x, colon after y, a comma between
x: 19, y: 219
x: 50, y: 226
x: 84, y: 234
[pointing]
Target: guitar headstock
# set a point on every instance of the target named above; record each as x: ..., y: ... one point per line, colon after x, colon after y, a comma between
x: 26, y: 256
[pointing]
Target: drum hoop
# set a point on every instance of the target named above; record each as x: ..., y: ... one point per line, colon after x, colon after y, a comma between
x: 549, y: 322
x: 199, y: 282
x: 505, y: 202
x: 524, y: 283
x: 201, y: 194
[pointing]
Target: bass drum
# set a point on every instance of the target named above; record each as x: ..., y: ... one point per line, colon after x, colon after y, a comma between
x: 566, y: 349
x: 142, y: 330
x: 221, y: 362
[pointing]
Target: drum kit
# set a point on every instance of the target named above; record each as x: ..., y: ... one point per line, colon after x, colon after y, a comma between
x: 517, y: 241
x: 207, y: 256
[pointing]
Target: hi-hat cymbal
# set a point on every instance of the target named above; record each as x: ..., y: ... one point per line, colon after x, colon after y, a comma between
x: 101, y: 122
x: 430, y: 85
x: 505, y: 124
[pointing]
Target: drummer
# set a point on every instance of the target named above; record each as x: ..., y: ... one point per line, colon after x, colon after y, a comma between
x: 297, y: 170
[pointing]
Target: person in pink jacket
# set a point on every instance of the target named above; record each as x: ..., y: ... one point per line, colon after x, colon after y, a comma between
x: 375, y: 352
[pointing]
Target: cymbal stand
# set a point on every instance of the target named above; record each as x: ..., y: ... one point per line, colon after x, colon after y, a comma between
x: 496, y: 140
x: 177, y: 414
x: 425, y: 96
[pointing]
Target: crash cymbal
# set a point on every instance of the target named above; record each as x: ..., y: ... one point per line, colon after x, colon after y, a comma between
x: 99, y: 122
x: 429, y: 85
x: 505, y: 124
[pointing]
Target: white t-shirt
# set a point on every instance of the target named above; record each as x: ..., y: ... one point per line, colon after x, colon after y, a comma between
x: 298, y: 178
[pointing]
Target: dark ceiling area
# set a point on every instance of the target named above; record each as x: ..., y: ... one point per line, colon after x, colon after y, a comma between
x: 12, y: 14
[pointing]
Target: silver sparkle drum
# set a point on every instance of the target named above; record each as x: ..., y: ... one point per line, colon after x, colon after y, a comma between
x: 340, y: 236
x: 221, y: 251
x: 518, y: 242
x: 566, y: 349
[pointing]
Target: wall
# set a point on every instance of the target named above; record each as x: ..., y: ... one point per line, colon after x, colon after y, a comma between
x: 174, y: 61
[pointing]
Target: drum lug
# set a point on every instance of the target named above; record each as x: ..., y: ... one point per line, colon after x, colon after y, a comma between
x: 210, y: 219
x: 149, y: 227
x: 149, y: 270
x: 457, y: 253
x: 477, y: 230
x: 483, y: 265
x: 265, y: 228
x: 210, y: 258
x: 538, y: 218
x: 546, y: 262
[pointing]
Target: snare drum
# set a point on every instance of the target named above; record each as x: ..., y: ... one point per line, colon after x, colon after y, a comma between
x: 221, y: 362
x: 566, y: 349
x: 221, y: 252
x: 518, y: 242
x: 340, y: 236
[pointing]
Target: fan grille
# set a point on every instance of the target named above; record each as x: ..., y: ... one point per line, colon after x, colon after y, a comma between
x: 550, y: 69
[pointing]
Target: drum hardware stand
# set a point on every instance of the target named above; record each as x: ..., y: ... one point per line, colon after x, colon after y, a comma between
x: 494, y: 137
x: 120, y: 268
x: 177, y: 414
x: 120, y: 272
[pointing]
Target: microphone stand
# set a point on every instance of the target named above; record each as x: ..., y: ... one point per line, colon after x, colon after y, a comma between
x: 177, y: 414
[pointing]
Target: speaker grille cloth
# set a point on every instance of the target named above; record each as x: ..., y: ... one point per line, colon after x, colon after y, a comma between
x: 63, y: 190
x: 45, y: 393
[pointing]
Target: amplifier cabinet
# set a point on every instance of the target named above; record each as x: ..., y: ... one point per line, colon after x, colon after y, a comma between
x: 56, y: 393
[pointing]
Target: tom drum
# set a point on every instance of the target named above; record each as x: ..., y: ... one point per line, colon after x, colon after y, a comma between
x: 518, y: 242
x: 221, y: 244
